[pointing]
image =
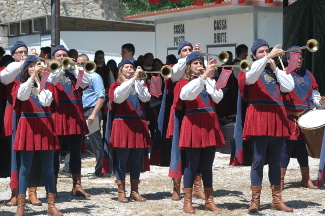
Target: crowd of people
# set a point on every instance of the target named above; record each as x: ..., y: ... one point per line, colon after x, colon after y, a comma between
x: 148, y: 119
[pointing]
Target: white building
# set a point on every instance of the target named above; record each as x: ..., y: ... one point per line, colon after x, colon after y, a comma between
x: 217, y: 27
x: 85, y: 35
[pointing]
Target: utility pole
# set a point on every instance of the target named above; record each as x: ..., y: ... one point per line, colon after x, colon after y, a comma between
x: 55, y: 23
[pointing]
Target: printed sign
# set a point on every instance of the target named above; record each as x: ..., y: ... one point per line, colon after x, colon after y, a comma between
x: 179, y: 33
x: 220, y: 31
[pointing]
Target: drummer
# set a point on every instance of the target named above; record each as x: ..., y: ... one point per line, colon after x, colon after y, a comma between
x: 297, y: 102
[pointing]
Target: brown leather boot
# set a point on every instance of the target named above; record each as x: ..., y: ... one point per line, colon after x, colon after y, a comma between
x: 209, y: 204
x: 134, y: 191
x: 13, y: 198
x: 277, y: 202
x: 176, y: 189
x: 21, y: 205
x: 55, y: 185
x: 306, y: 182
x: 121, y: 191
x: 198, y: 192
x: 32, y: 197
x: 255, y: 202
x: 188, y: 208
x: 283, y: 173
x: 77, y: 189
x: 51, y: 209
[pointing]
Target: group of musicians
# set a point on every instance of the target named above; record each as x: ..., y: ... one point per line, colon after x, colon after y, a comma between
x: 44, y: 113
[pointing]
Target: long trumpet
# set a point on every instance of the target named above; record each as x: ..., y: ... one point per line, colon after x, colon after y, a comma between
x: 222, y: 56
x: 166, y: 72
x: 312, y: 46
x: 244, y: 66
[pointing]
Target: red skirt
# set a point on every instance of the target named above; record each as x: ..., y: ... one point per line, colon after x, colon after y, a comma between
x: 8, y: 120
x: 265, y: 120
x: 201, y: 131
x: 69, y: 120
x: 130, y: 134
x: 36, y: 134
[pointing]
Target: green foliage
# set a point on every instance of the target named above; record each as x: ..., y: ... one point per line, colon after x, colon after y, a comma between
x: 142, y: 6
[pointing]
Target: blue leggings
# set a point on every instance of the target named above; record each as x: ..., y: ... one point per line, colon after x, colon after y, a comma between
x: 266, y: 149
x: 131, y: 155
x: 199, y: 159
x: 302, y: 154
x: 74, y: 143
x: 26, y: 160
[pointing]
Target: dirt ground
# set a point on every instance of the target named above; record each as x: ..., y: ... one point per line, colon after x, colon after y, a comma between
x: 231, y: 192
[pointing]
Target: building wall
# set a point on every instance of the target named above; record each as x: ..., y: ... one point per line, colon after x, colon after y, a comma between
x: 89, y: 42
x: 220, y: 31
x: 16, y: 10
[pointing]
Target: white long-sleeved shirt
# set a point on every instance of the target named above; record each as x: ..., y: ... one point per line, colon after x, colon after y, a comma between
x: 191, y: 90
x: 45, y: 96
x: 9, y: 74
x: 285, y: 80
x: 122, y: 92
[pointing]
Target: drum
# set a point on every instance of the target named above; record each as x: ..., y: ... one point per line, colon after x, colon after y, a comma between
x: 312, y: 127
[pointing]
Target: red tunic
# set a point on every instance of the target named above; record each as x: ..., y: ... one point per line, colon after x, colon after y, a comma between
x: 200, y: 125
x: 298, y: 101
x: 265, y: 114
x: 9, y: 109
x: 129, y: 128
x: 35, y: 129
x: 69, y: 118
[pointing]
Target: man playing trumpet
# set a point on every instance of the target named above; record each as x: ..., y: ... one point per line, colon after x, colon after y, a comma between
x: 266, y: 122
x: 297, y: 102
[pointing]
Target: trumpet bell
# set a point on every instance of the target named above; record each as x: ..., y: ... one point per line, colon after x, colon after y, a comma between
x: 312, y: 45
x: 90, y: 67
x: 223, y: 57
x: 245, y: 65
x: 166, y: 71
x: 67, y: 63
x: 55, y: 66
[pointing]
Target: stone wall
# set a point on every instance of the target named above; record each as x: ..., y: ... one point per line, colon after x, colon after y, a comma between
x: 15, y: 10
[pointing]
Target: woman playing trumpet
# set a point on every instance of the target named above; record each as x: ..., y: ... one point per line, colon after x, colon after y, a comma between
x: 130, y: 133
x: 35, y: 131
x: 200, y: 132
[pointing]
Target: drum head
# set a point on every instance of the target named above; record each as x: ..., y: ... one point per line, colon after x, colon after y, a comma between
x: 312, y: 119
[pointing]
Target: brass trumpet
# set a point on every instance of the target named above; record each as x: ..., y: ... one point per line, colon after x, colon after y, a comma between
x: 166, y: 72
x: 222, y: 56
x: 68, y: 63
x: 312, y: 46
x: 89, y: 66
x: 244, y: 66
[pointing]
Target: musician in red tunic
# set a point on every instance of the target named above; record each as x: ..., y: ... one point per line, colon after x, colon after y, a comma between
x: 175, y: 167
x: 130, y: 133
x: 35, y: 131
x: 200, y: 132
x: 298, y: 102
x: 266, y: 123
x: 70, y: 124
x: 9, y: 77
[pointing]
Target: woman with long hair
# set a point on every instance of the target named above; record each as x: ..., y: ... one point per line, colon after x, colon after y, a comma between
x: 35, y: 131
x: 200, y: 134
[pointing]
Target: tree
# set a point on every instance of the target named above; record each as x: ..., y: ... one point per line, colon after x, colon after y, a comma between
x: 142, y: 6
